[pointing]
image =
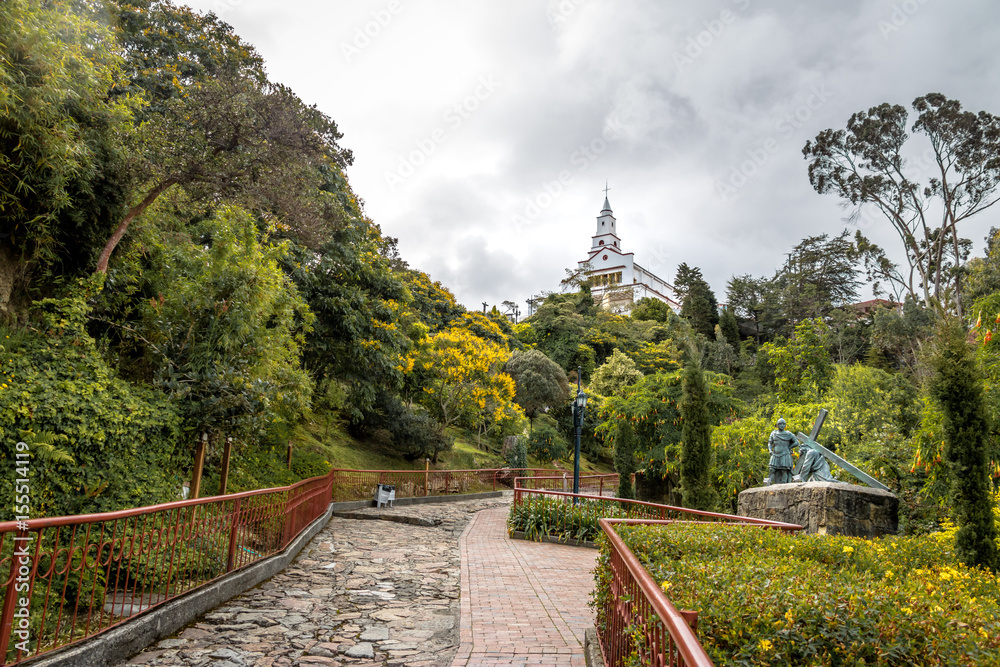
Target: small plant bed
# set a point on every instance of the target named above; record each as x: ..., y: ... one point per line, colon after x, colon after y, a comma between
x: 557, y: 518
x: 767, y: 598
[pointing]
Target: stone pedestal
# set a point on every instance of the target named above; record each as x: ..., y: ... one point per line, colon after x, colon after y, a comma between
x: 825, y: 508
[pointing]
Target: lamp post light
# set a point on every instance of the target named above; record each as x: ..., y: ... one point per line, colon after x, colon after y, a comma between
x: 579, y: 405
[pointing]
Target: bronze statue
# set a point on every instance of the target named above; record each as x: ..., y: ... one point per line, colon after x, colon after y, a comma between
x: 780, y: 446
x: 813, y: 466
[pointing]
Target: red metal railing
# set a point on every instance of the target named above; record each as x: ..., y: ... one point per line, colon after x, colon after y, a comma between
x: 638, y: 509
x: 78, y: 576
x: 637, y: 619
x: 355, y: 484
x: 592, y: 484
x: 68, y: 578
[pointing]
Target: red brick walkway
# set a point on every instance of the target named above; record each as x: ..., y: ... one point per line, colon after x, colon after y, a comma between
x: 523, y: 603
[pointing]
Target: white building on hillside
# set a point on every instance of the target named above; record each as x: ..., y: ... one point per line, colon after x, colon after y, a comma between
x: 617, y: 281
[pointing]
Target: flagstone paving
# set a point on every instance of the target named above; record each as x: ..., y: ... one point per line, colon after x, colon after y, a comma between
x: 436, y: 591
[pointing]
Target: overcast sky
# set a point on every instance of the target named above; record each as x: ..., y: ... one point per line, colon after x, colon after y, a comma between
x: 483, y: 132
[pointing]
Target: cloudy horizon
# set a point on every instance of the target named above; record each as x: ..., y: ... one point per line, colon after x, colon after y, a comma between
x: 484, y: 133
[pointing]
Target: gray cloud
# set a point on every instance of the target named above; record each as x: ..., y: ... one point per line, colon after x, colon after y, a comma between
x: 694, y: 90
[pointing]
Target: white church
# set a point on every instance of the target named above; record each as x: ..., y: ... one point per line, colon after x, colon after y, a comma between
x: 617, y: 281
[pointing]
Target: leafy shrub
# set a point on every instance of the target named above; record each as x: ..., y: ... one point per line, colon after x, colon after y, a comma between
x: 123, y: 440
x: 516, y: 456
x: 416, y: 435
x: 820, y: 600
x: 407, y: 432
x: 545, y: 442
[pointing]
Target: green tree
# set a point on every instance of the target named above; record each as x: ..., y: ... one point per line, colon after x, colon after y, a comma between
x: 357, y: 338
x: 546, y: 443
x: 729, y: 327
x: 984, y: 272
x: 820, y: 274
x: 748, y: 297
x: 431, y: 301
x: 557, y: 329
x: 624, y: 439
x: 719, y: 355
x: 225, y: 333
x: 699, y: 305
x: 219, y: 129
x: 617, y: 373
x: 646, y: 418
x: 803, y: 371
x: 865, y: 165
x: 696, y: 451
x: 648, y: 308
x: 541, y: 383
x: 900, y: 334
x: 62, y: 146
x: 956, y: 387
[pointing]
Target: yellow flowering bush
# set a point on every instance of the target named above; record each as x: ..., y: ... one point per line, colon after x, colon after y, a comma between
x: 769, y: 598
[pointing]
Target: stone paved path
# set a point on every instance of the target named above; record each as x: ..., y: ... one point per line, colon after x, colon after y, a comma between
x: 381, y: 593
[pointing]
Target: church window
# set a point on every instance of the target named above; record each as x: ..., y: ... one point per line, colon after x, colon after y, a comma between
x: 600, y: 243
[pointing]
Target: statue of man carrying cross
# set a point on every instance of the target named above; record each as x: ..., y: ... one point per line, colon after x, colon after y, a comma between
x: 814, y: 458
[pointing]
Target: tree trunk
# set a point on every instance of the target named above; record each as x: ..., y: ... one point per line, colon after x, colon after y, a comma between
x: 116, y: 236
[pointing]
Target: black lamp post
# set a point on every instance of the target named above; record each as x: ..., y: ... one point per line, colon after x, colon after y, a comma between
x: 579, y: 405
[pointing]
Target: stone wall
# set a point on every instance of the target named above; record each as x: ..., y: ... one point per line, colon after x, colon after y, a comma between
x: 825, y: 508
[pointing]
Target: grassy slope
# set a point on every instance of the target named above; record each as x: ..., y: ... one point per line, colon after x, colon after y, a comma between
x: 334, y: 444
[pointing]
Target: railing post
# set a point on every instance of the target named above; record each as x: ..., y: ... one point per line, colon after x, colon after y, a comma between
x: 224, y: 472
x: 9, y: 600
x: 233, y: 533
x: 199, y: 464
x: 427, y: 473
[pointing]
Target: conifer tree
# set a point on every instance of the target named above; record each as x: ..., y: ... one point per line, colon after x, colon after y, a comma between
x: 730, y: 328
x: 956, y: 387
x: 696, y: 449
x: 624, y: 441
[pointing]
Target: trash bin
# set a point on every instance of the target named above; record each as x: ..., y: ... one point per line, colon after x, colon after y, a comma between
x: 385, y: 495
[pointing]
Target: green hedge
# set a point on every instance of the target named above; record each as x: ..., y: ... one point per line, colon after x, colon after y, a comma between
x: 767, y: 598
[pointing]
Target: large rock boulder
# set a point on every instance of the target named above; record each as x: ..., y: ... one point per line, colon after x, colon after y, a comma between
x: 825, y: 508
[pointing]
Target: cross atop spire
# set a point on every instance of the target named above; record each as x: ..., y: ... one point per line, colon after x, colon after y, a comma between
x: 606, y: 188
